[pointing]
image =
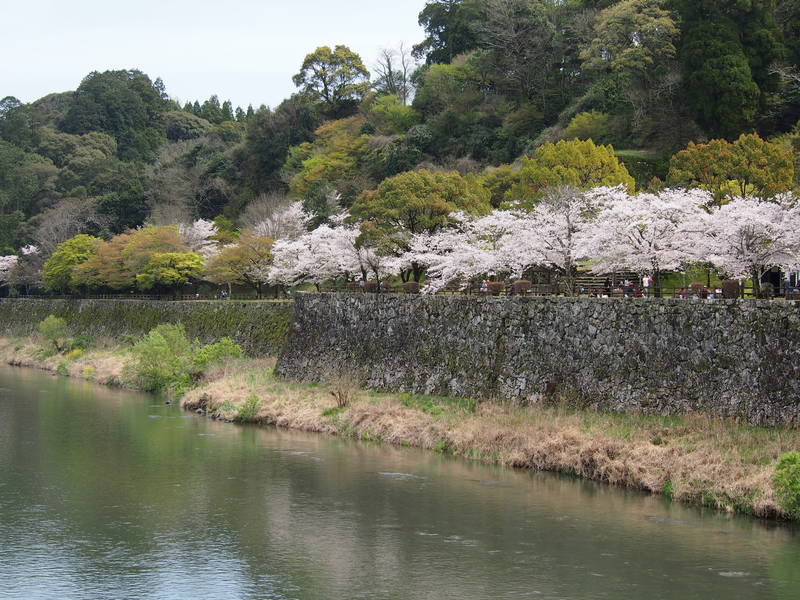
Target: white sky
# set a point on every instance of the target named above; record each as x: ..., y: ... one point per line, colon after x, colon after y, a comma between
x: 245, y: 51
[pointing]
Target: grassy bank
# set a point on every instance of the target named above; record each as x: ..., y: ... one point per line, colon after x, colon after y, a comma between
x: 693, y: 459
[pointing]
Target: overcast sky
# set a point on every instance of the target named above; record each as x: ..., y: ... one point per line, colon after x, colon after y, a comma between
x: 243, y: 50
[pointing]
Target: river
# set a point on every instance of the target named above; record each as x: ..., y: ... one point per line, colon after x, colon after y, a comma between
x: 110, y: 494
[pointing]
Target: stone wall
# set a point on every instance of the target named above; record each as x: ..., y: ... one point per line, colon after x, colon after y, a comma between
x: 733, y: 358
x: 260, y: 327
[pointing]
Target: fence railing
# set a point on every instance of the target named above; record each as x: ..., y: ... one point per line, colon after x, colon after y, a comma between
x: 159, y: 297
x: 490, y: 289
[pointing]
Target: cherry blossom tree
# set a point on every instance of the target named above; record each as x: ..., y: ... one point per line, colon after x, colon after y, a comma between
x: 7, y: 264
x: 647, y: 233
x: 747, y: 237
x: 198, y: 237
x: 286, y: 222
x: 502, y: 242
x: 557, y: 224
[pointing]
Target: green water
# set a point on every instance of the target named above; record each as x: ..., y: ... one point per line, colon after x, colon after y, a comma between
x: 105, y: 494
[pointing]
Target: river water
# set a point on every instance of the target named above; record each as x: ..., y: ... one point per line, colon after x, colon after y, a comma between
x: 108, y: 494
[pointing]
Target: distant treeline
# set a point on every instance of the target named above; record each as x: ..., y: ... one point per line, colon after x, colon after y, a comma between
x: 492, y: 82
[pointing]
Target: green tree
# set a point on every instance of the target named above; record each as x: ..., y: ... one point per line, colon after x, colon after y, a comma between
x: 449, y: 28
x: 574, y: 163
x: 337, y: 77
x: 416, y: 202
x: 592, y: 125
x: 632, y: 36
x: 750, y: 166
x: 169, y: 270
x: 335, y: 158
x: 726, y: 51
x: 117, y: 262
x: 124, y: 104
x: 245, y: 263
x: 57, y: 272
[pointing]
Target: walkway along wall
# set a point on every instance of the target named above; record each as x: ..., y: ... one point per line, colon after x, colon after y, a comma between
x: 260, y: 327
x: 733, y: 358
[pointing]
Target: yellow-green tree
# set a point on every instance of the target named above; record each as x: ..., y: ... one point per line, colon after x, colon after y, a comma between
x: 246, y: 263
x: 58, y: 269
x: 116, y: 262
x: 169, y: 270
x: 335, y: 157
x: 575, y: 163
x: 750, y: 166
x: 416, y: 202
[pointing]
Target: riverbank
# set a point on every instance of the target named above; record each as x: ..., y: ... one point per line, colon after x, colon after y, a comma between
x: 694, y: 459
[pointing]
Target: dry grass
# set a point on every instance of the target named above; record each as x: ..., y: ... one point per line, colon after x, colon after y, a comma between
x: 102, y: 364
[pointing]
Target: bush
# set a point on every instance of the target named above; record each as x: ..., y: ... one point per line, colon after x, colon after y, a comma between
x: 249, y: 410
x: 213, y: 353
x: 81, y: 342
x: 592, y: 125
x: 165, y: 359
x: 343, y: 388
x: 74, y: 354
x: 786, y: 482
x: 162, y: 359
x: 55, y: 331
x: 411, y: 287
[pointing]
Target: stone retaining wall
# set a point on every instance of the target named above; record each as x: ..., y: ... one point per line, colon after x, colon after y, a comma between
x: 260, y: 327
x: 728, y: 357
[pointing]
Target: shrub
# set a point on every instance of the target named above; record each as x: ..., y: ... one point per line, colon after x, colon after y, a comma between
x: 62, y: 369
x: 81, y: 342
x: 213, y: 353
x: 249, y: 410
x: 55, y: 331
x: 592, y: 125
x: 74, y: 353
x: 343, y: 388
x: 786, y: 483
x: 411, y: 287
x: 162, y: 359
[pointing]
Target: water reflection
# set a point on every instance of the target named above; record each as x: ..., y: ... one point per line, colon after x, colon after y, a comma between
x: 110, y: 494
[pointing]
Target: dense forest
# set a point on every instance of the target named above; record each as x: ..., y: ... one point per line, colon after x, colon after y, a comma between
x: 668, y: 86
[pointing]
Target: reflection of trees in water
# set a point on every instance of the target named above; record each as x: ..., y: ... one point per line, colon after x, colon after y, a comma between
x: 173, y: 498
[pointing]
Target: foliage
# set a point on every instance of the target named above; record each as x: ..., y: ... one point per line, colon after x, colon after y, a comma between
x: 576, y: 163
x: 58, y: 269
x: 592, y: 125
x: 635, y: 36
x: 338, y: 77
x: 786, y: 482
x: 125, y: 104
x: 416, y: 202
x: 141, y: 258
x: 161, y: 359
x: 247, y: 262
x: 448, y: 25
x: 748, y: 166
x: 391, y: 116
x: 169, y: 270
x: 54, y: 330
x: 211, y: 354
